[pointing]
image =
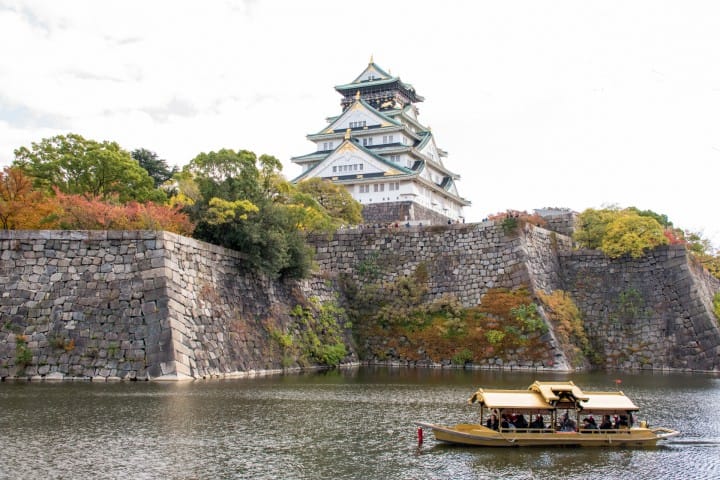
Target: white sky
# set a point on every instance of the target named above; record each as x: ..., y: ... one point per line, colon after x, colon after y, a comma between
x: 539, y: 103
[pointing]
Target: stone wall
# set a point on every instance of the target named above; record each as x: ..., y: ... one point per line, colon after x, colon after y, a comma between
x: 157, y: 305
x: 652, y: 312
x: 137, y: 305
x: 462, y: 259
x: 401, y: 212
x: 84, y: 304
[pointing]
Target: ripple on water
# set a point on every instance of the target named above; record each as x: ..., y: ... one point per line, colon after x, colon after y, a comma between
x: 327, y: 426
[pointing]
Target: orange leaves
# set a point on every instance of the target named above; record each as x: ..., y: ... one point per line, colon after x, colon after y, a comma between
x: 499, y: 301
x: 79, y: 212
x: 22, y: 207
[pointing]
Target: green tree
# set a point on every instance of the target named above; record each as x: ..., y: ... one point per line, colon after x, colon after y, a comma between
x: 592, y: 225
x: 244, y: 205
x: 661, y: 218
x: 156, y: 167
x: 335, y: 199
x: 76, y: 165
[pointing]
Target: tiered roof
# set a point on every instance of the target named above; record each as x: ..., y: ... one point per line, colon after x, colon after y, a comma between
x: 386, y: 105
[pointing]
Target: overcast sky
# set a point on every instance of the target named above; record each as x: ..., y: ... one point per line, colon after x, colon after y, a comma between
x: 539, y: 103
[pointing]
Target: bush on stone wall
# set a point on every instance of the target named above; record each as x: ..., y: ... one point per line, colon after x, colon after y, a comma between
x: 568, y: 326
x: 320, y: 336
x: 393, y: 320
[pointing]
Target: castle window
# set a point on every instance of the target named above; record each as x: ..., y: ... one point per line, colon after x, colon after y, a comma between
x: 334, y: 169
x: 367, y: 141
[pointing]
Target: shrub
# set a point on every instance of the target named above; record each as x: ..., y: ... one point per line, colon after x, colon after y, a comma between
x: 330, y: 355
x: 23, y: 355
x: 495, y: 337
x: 568, y: 323
x: 462, y: 357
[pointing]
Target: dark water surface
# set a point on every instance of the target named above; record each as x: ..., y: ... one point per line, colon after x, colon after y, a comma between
x: 355, y: 424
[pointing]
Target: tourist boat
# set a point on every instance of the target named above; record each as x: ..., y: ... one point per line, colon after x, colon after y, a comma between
x: 562, y: 404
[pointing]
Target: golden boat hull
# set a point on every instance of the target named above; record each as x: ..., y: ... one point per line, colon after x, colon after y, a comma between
x: 481, y: 436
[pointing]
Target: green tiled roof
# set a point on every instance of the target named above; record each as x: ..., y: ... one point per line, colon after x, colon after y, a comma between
x: 369, y: 107
x: 362, y: 148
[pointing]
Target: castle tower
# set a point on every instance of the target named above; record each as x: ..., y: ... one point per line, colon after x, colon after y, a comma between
x: 383, y: 155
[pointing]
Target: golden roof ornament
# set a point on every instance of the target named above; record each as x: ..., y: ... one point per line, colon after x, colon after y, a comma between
x: 357, y: 95
x: 347, y: 134
x: 371, y: 59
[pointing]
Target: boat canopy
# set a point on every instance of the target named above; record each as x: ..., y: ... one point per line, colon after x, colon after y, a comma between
x: 608, y: 402
x: 550, y: 396
x: 516, y: 400
x: 556, y: 391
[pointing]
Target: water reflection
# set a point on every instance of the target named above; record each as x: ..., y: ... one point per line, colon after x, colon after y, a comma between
x: 342, y: 424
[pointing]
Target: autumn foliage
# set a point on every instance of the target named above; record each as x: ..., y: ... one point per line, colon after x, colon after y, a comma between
x: 79, y: 212
x: 21, y: 206
x: 24, y: 208
x: 522, y: 217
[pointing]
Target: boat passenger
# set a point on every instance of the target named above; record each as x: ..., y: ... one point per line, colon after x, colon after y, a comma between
x: 538, y: 422
x: 505, y: 422
x: 568, y: 424
x: 589, y: 423
x: 622, y: 422
x: 606, y: 423
x: 492, y: 422
x: 520, y: 421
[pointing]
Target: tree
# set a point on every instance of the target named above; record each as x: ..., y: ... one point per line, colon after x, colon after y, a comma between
x: 81, y: 212
x: 243, y: 205
x: 156, y: 167
x: 618, y: 232
x: 335, y: 199
x: 78, y: 166
x: 632, y: 234
x: 702, y: 249
x: 21, y: 206
x: 592, y: 225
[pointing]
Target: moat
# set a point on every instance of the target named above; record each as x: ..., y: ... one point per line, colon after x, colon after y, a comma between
x: 347, y: 424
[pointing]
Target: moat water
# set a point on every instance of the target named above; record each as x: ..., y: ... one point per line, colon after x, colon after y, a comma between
x: 355, y: 424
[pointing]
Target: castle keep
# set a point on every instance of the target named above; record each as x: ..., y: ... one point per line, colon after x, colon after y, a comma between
x: 381, y: 152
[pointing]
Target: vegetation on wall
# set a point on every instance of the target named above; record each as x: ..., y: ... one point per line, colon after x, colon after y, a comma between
x: 319, y: 337
x: 395, y: 320
x: 568, y: 326
x: 510, y: 220
x: 716, y: 306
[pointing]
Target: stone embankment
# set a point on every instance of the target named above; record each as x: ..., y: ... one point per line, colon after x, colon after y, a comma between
x: 138, y: 305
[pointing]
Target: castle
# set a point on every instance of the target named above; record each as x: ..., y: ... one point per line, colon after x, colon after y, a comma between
x: 378, y: 149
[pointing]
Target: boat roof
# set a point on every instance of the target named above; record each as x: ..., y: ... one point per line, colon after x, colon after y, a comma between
x: 607, y: 402
x: 554, y: 391
x: 551, y: 396
x: 510, y: 399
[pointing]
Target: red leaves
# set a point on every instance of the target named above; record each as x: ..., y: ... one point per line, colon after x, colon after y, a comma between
x: 80, y: 212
